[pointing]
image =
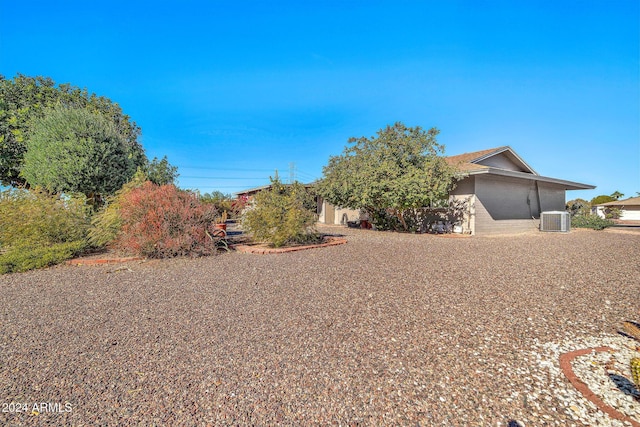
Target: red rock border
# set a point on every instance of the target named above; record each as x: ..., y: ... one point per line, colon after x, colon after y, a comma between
x: 265, y: 250
x: 251, y: 249
x: 565, y: 365
x: 81, y: 261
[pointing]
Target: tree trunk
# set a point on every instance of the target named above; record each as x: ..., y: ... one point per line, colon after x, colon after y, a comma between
x: 400, y: 214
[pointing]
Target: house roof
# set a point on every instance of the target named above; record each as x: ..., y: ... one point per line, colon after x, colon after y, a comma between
x: 252, y: 191
x: 473, y: 156
x: 468, y: 162
x: 504, y: 161
x: 632, y: 201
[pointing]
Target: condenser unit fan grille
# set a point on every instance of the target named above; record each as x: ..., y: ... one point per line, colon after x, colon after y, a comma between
x: 555, y: 221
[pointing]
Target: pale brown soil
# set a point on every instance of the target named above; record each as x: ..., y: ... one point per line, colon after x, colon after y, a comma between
x: 388, y: 329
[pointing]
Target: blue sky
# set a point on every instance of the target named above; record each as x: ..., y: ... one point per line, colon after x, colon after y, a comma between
x: 231, y: 91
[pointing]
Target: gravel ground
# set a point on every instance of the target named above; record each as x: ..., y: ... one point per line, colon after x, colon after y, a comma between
x: 607, y: 374
x: 389, y: 329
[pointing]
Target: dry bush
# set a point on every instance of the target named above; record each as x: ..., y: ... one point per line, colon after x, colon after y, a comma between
x: 163, y: 221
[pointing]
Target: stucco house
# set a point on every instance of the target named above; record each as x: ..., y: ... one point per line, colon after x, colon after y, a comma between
x: 249, y: 193
x: 506, y: 194
x: 503, y: 193
x: 629, y: 209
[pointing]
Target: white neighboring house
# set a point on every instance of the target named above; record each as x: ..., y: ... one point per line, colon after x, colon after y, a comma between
x: 629, y: 209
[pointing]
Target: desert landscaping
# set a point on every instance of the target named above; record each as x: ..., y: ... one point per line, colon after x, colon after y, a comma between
x: 387, y: 329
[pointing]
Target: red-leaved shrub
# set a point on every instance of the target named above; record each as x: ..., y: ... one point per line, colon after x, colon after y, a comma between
x: 163, y: 221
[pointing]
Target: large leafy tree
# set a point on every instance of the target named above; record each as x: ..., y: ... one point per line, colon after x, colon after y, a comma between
x: 578, y: 207
x: 616, y: 195
x: 399, y: 169
x: 603, y: 198
x: 25, y: 99
x: 76, y: 150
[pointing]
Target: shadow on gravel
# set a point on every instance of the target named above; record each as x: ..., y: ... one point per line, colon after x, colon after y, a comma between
x: 514, y: 423
x: 625, y: 386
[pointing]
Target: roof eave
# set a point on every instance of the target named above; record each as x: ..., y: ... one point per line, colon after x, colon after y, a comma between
x: 569, y: 185
x: 267, y: 186
x: 512, y: 152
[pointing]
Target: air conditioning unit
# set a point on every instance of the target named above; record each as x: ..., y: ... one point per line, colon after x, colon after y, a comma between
x: 555, y: 221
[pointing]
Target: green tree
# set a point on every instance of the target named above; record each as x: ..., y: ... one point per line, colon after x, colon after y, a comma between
x: 222, y: 202
x: 161, y: 172
x: 25, y: 99
x: 398, y: 170
x: 76, y: 150
x: 578, y: 207
x: 603, y: 198
x: 616, y: 195
x: 215, y: 197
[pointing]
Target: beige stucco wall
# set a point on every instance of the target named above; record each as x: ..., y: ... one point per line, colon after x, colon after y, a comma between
x: 513, y: 205
x: 553, y: 197
x: 339, y: 213
x: 351, y: 215
x: 465, y: 191
x: 507, y: 198
x: 484, y: 224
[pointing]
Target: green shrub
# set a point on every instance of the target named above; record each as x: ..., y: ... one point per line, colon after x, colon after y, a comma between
x: 37, y: 229
x: 23, y: 258
x: 613, y: 213
x: 107, y: 223
x: 590, y: 221
x: 281, y: 215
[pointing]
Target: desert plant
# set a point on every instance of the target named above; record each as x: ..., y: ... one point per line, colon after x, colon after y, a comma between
x: 590, y: 221
x: 38, y: 229
x: 631, y: 329
x: 281, y: 216
x: 163, y: 221
x: 222, y: 218
x: 635, y: 371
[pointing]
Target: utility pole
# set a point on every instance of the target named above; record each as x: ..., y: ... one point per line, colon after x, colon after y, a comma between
x: 292, y: 172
